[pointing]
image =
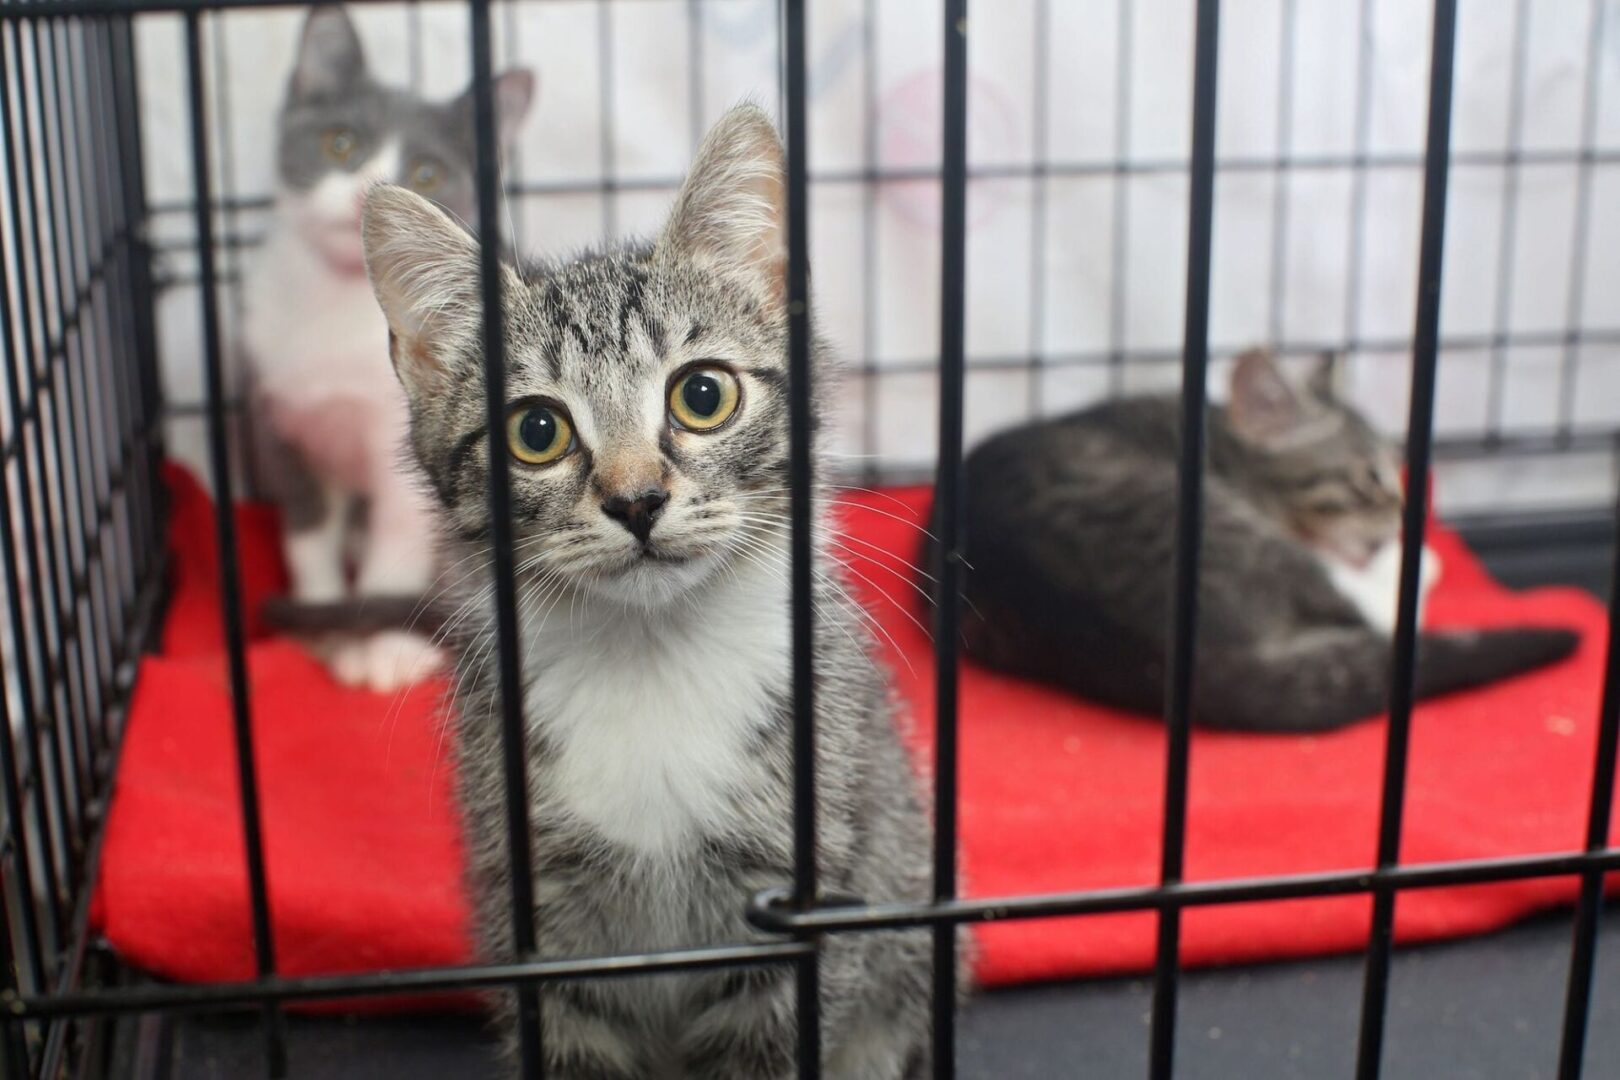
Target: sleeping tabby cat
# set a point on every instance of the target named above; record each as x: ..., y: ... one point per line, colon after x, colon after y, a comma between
x: 1070, y: 529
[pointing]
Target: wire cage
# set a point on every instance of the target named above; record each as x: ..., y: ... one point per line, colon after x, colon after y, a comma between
x: 88, y: 258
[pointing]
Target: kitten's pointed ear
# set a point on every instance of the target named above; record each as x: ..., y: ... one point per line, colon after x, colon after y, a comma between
x: 330, y: 59
x: 731, y: 212
x: 1327, y: 377
x: 514, y: 93
x: 424, y: 270
x: 1266, y: 406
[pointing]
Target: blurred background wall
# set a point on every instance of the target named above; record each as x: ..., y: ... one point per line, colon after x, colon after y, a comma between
x: 1078, y: 139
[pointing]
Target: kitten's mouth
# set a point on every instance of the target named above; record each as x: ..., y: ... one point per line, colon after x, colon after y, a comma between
x: 647, y: 556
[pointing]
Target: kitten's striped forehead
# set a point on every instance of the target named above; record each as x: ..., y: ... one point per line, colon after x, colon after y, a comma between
x: 585, y: 320
x: 605, y: 323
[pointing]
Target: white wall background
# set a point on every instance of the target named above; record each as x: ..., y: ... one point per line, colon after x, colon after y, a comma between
x: 1087, y: 263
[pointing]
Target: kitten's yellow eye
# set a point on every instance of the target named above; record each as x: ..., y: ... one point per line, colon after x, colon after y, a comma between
x: 426, y: 176
x: 339, y: 145
x: 704, y: 398
x: 539, y: 434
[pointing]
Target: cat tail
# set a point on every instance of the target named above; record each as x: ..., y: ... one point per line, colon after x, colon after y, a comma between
x: 1459, y: 660
x: 1325, y: 679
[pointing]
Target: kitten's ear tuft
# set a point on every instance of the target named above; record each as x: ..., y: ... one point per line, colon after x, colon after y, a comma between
x: 731, y: 212
x: 424, y: 270
x: 1327, y: 377
x: 330, y: 59
x: 1266, y: 405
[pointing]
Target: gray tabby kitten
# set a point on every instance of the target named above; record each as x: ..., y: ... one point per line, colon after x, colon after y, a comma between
x: 648, y: 437
x: 328, y: 415
x: 1070, y: 531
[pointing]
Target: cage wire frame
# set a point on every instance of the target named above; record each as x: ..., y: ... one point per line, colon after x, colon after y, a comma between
x: 1496, y: 438
x: 82, y: 450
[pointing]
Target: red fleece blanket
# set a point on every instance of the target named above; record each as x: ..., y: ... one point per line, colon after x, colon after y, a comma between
x: 1056, y: 794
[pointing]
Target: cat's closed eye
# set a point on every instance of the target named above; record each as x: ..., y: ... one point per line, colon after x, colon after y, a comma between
x: 339, y: 145
x: 703, y: 398
x: 539, y: 434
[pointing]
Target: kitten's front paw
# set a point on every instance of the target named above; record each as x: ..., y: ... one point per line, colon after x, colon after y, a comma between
x: 387, y: 661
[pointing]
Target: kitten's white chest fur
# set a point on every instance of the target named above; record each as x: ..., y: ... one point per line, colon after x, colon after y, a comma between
x: 655, y: 716
x: 1374, y: 588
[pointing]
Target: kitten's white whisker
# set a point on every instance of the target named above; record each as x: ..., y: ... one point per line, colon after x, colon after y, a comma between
x: 760, y: 554
x: 901, y: 608
x: 841, y: 596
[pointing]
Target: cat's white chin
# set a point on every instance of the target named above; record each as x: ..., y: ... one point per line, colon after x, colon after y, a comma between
x: 649, y: 584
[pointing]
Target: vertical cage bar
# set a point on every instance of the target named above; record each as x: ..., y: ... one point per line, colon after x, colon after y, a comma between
x: 231, y: 253
x: 870, y: 285
x: 32, y: 963
x: 948, y: 493
x: 1040, y: 101
x: 40, y: 570
x: 1118, y: 256
x: 116, y: 391
x: 1507, y: 222
x: 15, y: 356
x: 413, y: 45
x: 1189, y: 532
x: 696, y: 108
x: 13, y: 1043
x: 1589, y: 909
x: 1419, y: 434
x: 53, y: 388
x: 806, y: 888
x: 1358, y: 175
x: 1583, y: 950
x: 50, y: 498
x: 607, y: 139
x: 514, y: 754
x: 1590, y: 100
x: 83, y: 392
x: 67, y: 396
x: 106, y: 420
x: 147, y: 403
x: 101, y: 428
x: 90, y: 618
x: 516, y: 161
x: 1282, y: 177
x: 225, y: 533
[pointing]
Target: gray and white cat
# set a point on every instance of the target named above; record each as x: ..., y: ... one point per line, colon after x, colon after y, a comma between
x: 648, y: 436
x: 1070, y: 526
x: 329, y: 415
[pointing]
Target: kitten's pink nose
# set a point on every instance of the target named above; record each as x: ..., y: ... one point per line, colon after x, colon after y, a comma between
x: 636, y: 512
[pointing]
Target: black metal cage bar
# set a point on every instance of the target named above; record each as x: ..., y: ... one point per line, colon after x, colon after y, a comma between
x: 1183, y: 642
x: 225, y: 530
x: 801, y: 511
x: 80, y: 521
x: 1420, y: 432
x: 500, y: 521
x: 82, y: 518
x: 948, y: 501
